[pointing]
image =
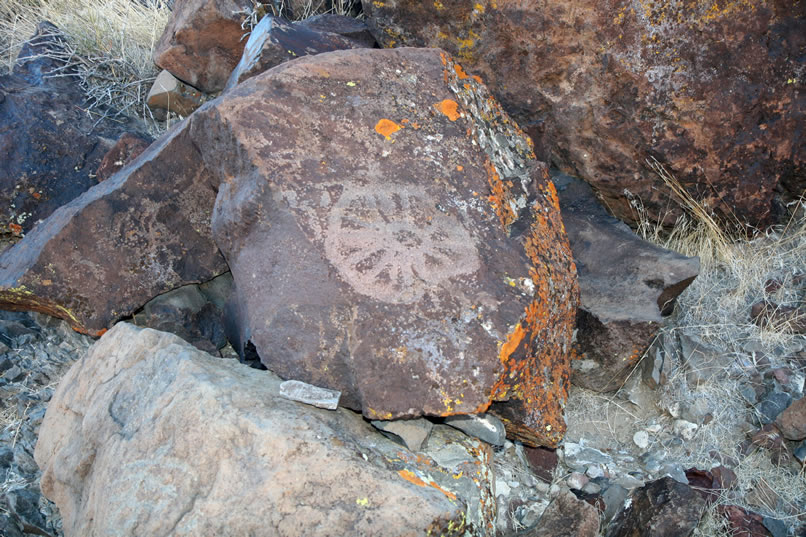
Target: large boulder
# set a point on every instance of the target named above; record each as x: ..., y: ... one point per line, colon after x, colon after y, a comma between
x: 397, y: 242
x: 147, y: 435
x: 626, y: 286
x: 138, y: 234
x: 203, y: 41
x: 50, y: 146
x: 714, y: 91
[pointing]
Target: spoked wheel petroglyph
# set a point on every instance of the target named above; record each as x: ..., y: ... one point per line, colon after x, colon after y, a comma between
x: 394, y: 244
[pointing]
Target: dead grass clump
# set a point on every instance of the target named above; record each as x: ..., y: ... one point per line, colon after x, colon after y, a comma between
x: 108, y: 44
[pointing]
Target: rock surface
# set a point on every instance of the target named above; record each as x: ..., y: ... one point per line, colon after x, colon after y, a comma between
x: 203, y: 41
x: 350, y: 27
x: 442, y: 253
x: 713, y: 91
x: 50, y: 147
x: 138, y: 234
x: 126, y: 149
x: 168, y: 94
x: 626, y: 285
x: 274, y: 41
x: 792, y: 421
x: 146, y: 436
x: 566, y: 516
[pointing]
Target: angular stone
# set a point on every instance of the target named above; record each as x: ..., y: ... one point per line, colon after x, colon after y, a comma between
x: 413, y: 433
x: 350, y: 27
x: 484, y: 427
x: 203, y: 41
x: 792, y: 421
x: 662, y: 508
x: 566, y: 516
x: 274, y: 41
x: 542, y: 461
x: 626, y: 286
x: 50, y: 147
x: 397, y: 242
x: 136, y: 235
x: 310, y: 395
x: 612, y: 86
x: 171, y: 95
x: 704, y: 362
x: 128, y: 147
x: 146, y: 436
x: 743, y: 523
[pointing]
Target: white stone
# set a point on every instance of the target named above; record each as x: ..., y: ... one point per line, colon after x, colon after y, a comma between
x: 641, y: 439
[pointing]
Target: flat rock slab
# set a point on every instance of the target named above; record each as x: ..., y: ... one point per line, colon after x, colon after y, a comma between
x: 275, y: 40
x: 397, y: 242
x: 711, y: 91
x: 310, y: 395
x: 138, y: 234
x: 626, y: 284
x: 147, y: 435
x: 50, y: 145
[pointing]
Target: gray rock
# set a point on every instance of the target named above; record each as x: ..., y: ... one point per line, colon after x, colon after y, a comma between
x: 483, y: 426
x: 24, y: 505
x: 703, y: 361
x: 777, y: 528
x: 303, y: 392
x: 613, y: 496
x: 579, y: 458
x: 800, y: 452
x: 9, y: 527
x: 772, y: 406
x: 413, y: 433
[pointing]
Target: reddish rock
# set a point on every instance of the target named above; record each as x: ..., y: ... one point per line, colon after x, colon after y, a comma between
x: 397, y: 242
x: 662, y: 508
x: 712, y: 91
x: 140, y: 233
x: 626, y: 285
x: 127, y: 148
x: 792, y: 421
x: 203, y: 41
x: 542, y: 461
x: 566, y: 516
x: 50, y: 147
x: 274, y: 41
x: 743, y: 523
x: 710, y: 484
x: 772, y: 316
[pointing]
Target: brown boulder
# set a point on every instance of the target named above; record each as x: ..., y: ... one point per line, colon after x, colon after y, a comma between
x: 127, y: 148
x: 50, y: 146
x: 566, y: 516
x: 203, y: 41
x: 626, y: 286
x: 274, y: 41
x: 140, y: 233
x: 350, y: 27
x: 397, y: 242
x: 712, y: 92
x: 792, y: 421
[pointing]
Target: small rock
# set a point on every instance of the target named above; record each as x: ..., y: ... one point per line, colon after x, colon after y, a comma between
x: 772, y: 406
x: 24, y: 504
x: 703, y: 361
x: 685, y: 429
x: 576, y: 480
x: 594, y: 471
x: 566, y: 516
x: 482, y: 426
x: 800, y: 452
x: 776, y: 527
x: 613, y: 497
x: 641, y: 439
x: 170, y: 94
x: 413, y: 433
x: 542, y: 461
x: 309, y: 394
x: 742, y: 522
x: 662, y: 508
x: 14, y: 374
x: 792, y: 421
x: 578, y: 457
x: 592, y: 488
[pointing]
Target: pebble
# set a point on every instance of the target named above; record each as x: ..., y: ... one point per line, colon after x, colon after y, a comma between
x: 641, y: 439
x: 485, y: 427
x: 685, y: 429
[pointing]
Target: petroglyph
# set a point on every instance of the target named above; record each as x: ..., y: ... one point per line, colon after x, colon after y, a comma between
x: 394, y: 244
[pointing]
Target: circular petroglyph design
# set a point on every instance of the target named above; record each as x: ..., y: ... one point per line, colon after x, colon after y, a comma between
x: 394, y: 244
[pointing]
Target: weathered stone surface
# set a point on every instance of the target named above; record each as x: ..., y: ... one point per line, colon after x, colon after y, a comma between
x: 482, y: 426
x: 662, y: 508
x: 413, y: 433
x: 310, y: 395
x: 431, y: 277
x: 136, y: 235
x: 792, y: 421
x: 126, y: 149
x: 147, y: 436
x: 743, y: 523
x: 350, y: 27
x: 203, y: 41
x: 626, y: 286
x: 703, y: 361
x: 50, y: 147
x: 172, y: 95
x: 275, y: 40
x: 713, y: 91
x: 566, y: 516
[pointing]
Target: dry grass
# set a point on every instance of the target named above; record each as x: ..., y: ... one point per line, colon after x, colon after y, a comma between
x: 108, y: 44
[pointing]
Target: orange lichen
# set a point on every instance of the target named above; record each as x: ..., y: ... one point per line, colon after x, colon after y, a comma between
x: 450, y: 108
x: 460, y: 72
x: 16, y: 229
x: 387, y: 128
x: 411, y: 477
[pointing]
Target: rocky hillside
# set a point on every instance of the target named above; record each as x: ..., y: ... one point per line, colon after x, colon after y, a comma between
x: 343, y: 269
